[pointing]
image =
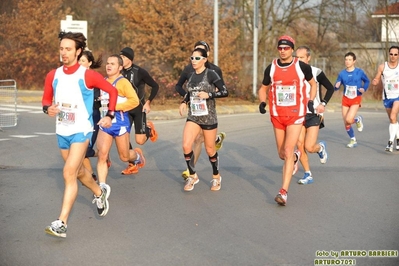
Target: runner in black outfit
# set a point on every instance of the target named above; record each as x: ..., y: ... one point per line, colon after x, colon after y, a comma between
x: 203, y: 86
x: 139, y: 77
x: 188, y: 70
x: 185, y: 76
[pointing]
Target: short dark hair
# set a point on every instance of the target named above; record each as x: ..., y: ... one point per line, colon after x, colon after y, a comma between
x: 350, y: 54
x: 120, y: 61
x: 393, y: 47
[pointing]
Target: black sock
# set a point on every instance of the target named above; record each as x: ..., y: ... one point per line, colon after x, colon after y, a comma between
x: 190, y: 162
x: 215, y: 163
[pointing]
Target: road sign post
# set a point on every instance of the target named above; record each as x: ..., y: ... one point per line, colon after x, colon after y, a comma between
x: 74, y: 25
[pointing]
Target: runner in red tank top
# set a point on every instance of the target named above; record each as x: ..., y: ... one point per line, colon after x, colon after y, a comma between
x: 284, y: 84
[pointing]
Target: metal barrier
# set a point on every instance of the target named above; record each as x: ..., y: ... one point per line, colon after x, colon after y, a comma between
x: 8, y: 103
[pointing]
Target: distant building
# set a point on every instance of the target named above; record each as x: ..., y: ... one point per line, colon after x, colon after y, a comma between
x: 389, y: 22
x: 371, y: 54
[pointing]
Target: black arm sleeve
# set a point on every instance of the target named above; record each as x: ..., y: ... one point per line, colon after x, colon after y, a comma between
x: 219, y: 83
x: 183, y: 78
x: 186, y: 97
x: 222, y: 92
x: 266, y: 76
x: 150, y: 82
x: 217, y: 70
x: 323, y: 80
x: 307, y: 70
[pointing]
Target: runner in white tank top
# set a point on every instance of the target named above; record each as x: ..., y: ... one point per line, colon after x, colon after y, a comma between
x: 388, y: 73
x: 68, y: 97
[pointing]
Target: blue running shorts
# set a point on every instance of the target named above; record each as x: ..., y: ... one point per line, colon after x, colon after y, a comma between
x: 388, y: 103
x: 120, y: 125
x: 65, y: 142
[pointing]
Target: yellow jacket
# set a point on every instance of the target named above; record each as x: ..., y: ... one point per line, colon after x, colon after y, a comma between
x: 127, y: 96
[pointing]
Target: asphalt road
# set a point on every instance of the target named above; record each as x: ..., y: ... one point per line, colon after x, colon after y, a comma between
x: 351, y: 206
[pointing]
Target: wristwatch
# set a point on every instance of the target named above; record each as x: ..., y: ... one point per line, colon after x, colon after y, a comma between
x: 323, y: 103
x: 110, y: 114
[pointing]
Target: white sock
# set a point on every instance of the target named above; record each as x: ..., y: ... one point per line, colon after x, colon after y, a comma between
x: 393, y: 130
x: 138, y: 157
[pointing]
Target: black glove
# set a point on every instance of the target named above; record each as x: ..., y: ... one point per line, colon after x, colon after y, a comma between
x: 310, y: 106
x: 262, y: 109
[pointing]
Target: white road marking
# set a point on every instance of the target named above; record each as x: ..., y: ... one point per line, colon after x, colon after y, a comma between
x: 45, y: 133
x: 21, y: 109
x: 23, y: 106
x: 24, y: 136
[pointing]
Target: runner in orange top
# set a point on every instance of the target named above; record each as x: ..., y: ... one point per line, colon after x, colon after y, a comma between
x: 120, y: 128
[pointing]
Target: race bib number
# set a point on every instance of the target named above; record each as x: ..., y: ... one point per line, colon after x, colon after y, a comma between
x: 67, y: 114
x: 351, y: 92
x: 198, y: 106
x: 392, y: 85
x: 286, y: 95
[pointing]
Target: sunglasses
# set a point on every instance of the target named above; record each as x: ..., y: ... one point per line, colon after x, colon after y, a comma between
x: 393, y: 54
x: 285, y: 48
x: 197, y: 58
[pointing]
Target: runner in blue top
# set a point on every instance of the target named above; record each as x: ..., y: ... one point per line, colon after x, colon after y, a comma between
x: 355, y: 83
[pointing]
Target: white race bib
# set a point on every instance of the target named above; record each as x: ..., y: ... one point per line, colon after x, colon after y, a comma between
x: 391, y: 85
x: 286, y: 95
x: 198, y: 106
x: 67, y: 114
x: 351, y: 92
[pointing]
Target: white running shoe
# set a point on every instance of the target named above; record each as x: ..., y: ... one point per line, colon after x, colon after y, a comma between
x: 298, y: 155
x: 359, y: 123
x: 323, y: 154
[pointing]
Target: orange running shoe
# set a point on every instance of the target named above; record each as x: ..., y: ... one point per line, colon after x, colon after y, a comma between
x: 141, y: 163
x: 153, y: 133
x: 131, y: 169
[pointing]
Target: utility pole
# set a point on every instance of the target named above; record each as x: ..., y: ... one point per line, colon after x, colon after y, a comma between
x: 255, y: 48
x: 215, y: 32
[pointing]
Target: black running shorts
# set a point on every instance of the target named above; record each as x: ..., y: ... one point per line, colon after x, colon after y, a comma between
x: 313, y: 120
